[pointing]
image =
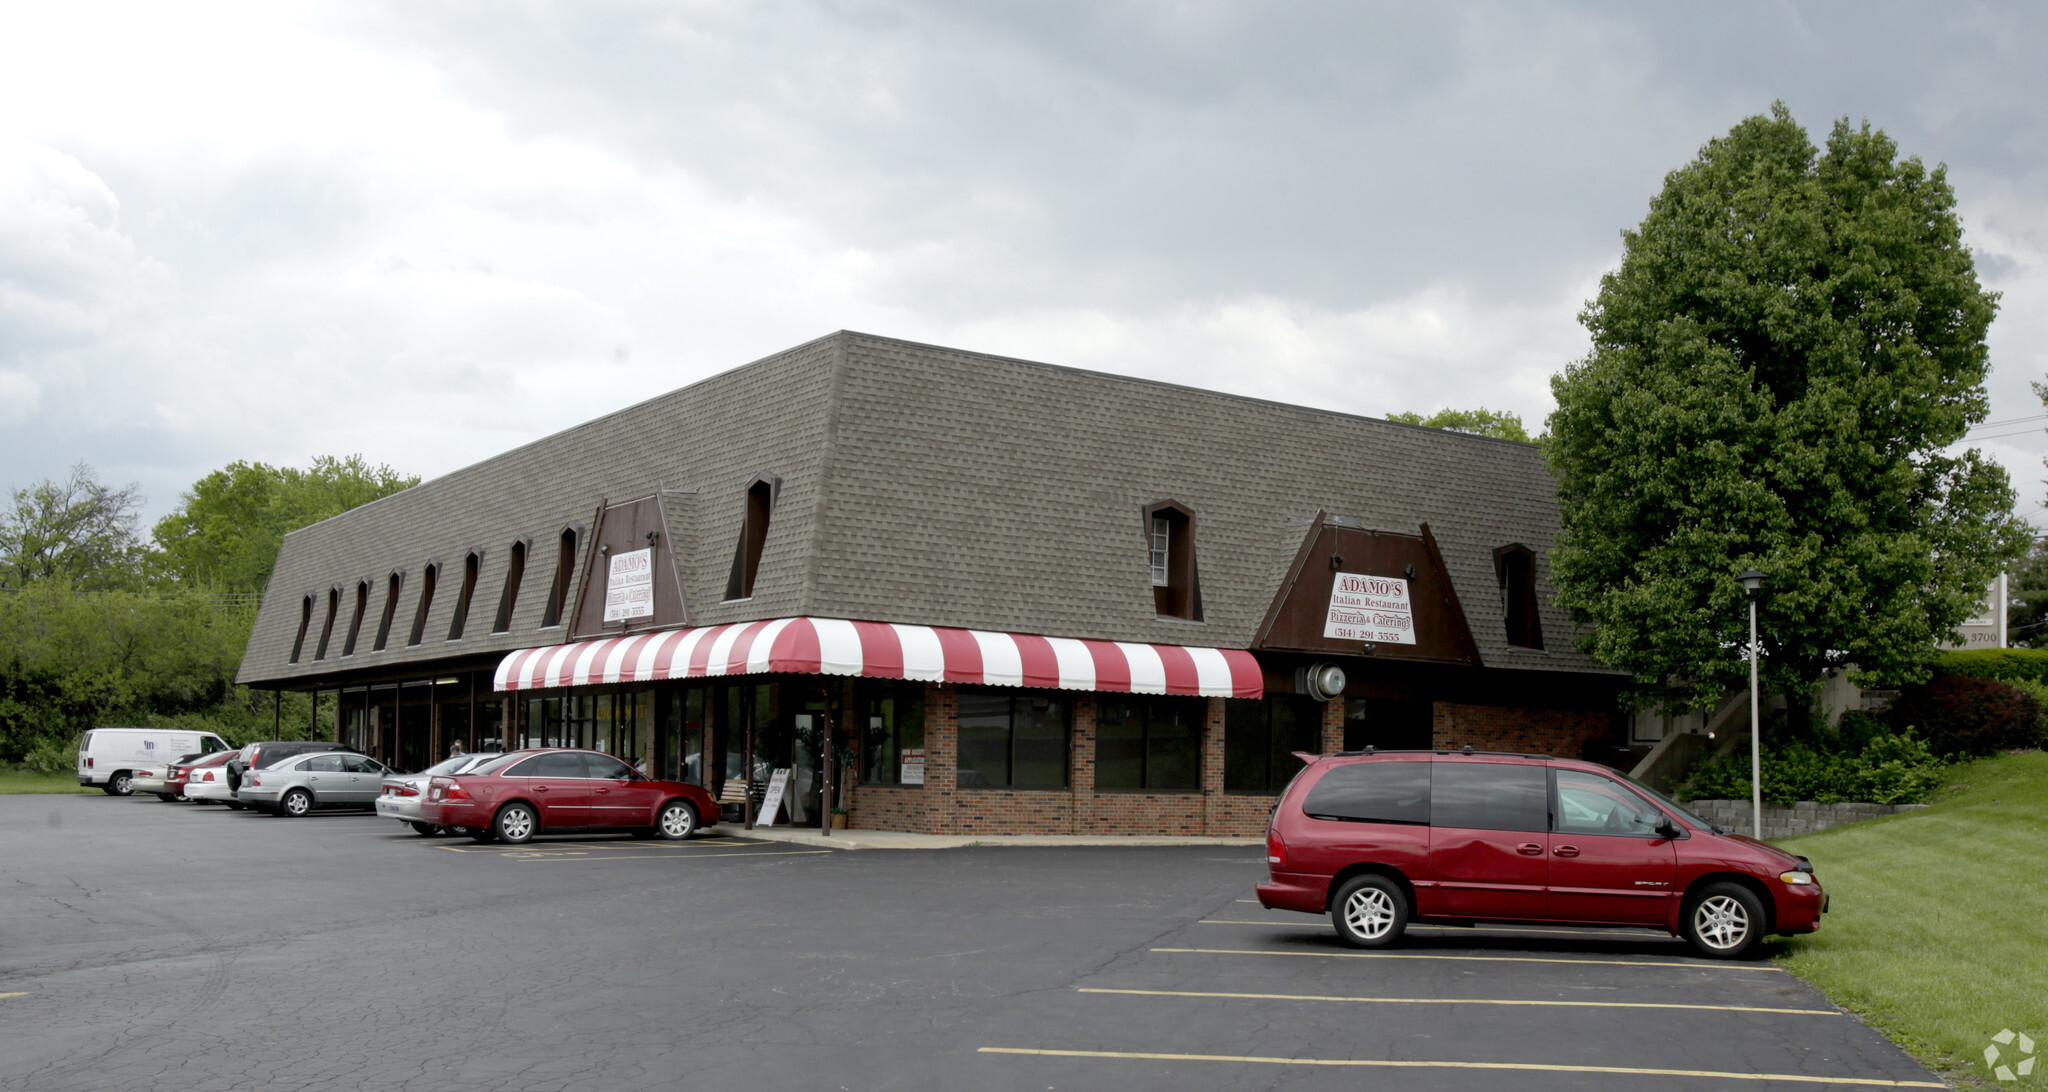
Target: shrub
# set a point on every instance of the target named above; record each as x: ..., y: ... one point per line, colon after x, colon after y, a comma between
x: 1960, y: 715
x: 1888, y: 769
x: 2003, y: 664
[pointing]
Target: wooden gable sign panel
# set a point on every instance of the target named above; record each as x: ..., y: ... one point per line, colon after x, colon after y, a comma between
x: 1358, y: 592
x: 629, y: 574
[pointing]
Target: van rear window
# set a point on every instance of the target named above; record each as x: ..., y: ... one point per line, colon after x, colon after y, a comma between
x: 85, y: 742
x: 1372, y: 792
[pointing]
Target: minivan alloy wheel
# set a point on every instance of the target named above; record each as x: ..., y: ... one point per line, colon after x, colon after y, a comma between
x: 1721, y: 921
x: 1369, y: 912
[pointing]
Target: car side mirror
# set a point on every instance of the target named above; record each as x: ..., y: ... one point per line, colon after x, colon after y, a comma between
x: 1666, y: 828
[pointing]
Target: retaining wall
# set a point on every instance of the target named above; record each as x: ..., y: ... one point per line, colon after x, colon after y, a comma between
x: 1804, y: 817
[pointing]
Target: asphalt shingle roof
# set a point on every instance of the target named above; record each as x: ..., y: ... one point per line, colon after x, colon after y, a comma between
x: 936, y: 486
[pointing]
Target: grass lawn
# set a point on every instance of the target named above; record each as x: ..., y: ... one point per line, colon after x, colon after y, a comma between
x: 1938, y: 933
x: 14, y: 781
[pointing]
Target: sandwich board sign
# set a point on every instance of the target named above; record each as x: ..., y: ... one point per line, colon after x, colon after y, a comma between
x: 772, y: 802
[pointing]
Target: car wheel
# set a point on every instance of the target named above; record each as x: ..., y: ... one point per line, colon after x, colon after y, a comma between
x: 515, y: 825
x: 424, y: 830
x: 1369, y: 911
x: 295, y: 803
x: 677, y: 821
x: 120, y: 784
x: 1724, y: 921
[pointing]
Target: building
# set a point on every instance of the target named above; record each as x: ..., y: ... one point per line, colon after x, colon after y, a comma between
x: 991, y: 595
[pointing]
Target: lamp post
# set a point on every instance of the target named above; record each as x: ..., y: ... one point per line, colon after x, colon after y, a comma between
x: 1752, y: 583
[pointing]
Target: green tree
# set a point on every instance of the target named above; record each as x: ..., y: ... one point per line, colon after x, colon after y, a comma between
x: 1791, y: 343
x: 77, y: 529
x: 2027, y: 613
x: 225, y: 532
x: 1499, y: 424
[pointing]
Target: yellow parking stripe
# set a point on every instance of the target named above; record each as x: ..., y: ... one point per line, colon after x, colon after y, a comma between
x: 1524, y: 1067
x: 23, y: 993
x: 1702, y: 966
x: 579, y: 857
x: 1466, y: 1001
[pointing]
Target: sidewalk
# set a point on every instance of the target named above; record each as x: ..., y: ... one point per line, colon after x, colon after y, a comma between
x: 896, y: 839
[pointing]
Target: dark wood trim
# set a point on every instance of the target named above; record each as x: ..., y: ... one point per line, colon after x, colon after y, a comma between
x: 1308, y: 545
x: 1457, y: 608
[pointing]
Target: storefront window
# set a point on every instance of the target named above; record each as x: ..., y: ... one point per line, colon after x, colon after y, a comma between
x: 1148, y: 742
x: 1014, y: 741
x: 892, y: 743
x: 1260, y: 736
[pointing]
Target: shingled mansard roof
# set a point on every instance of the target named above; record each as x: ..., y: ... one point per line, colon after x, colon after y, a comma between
x: 928, y: 485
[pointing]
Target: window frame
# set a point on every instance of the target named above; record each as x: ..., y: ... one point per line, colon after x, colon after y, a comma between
x: 355, y: 624
x: 430, y: 575
x: 1309, y: 732
x: 305, y: 623
x: 1066, y: 707
x: 396, y: 585
x: 1514, y: 565
x: 1180, y: 597
x: 566, y: 542
x: 757, y: 514
x: 1147, y: 705
x: 327, y: 627
x: 472, y: 570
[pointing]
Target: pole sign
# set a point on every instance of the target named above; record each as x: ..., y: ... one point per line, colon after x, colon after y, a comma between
x: 1375, y: 609
x: 629, y: 589
x: 1985, y: 627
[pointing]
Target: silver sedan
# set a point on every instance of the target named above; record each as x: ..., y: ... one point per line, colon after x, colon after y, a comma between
x: 294, y: 787
x: 399, y: 798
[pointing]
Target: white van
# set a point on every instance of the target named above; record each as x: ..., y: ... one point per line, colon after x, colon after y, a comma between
x: 108, y: 757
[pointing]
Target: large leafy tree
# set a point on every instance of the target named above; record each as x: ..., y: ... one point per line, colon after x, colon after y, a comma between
x: 225, y: 532
x: 1794, y: 339
x: 79, y: 529
x: 1499, y: 424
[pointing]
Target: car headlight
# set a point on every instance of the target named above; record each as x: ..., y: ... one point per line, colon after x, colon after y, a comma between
x: 1796, y: 879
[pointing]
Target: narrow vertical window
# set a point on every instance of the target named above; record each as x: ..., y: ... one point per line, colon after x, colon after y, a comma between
x: 1515, y: 565
x: 419, y: 616
x: 327, y: 627
x: 746, y: 559
x: 390, y: 612
x: 305, y: 623
x: 510, y: 598
x: 470, y: 566
x: 355, y: 622
x: 1170, y: 544
x: 565, y: 568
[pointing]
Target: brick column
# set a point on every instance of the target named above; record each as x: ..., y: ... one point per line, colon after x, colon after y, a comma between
x: 1081, y: 767
x: 1333, y: 726
x: 1214, y: 723
x: 941, y: 755
x: 1443, y: 725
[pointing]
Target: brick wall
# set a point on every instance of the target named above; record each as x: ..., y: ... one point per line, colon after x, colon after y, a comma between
x: 939, y: 806
x: 1559, y: 732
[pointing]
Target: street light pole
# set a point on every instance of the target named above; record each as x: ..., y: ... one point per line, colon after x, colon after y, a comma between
x: 1752, y: 582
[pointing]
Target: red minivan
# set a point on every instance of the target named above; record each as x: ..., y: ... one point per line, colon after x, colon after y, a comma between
x: 528, y: 792
x: 1379, y: 839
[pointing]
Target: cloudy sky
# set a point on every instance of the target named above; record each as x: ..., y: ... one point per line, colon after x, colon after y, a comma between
x: 428, y: 232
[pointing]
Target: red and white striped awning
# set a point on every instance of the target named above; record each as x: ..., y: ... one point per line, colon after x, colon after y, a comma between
x: 885, y: 650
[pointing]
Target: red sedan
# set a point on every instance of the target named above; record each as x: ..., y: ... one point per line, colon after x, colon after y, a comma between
x: 530, y: 792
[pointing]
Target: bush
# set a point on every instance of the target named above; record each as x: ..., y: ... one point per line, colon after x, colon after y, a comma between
x: 2003, y: 664
x: 1888, y: 769
x: 1965, y: 716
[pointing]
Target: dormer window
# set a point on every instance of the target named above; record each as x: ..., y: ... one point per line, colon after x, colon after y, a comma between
x: 471, y: 566
x: 419, y: 615
x: 355, y: 622
x: 746, y: 558
x: 1515, y: 565
x: 510, y: 598
x: 327, y: 627
x: 390, y: 611
x: 305, y: 623
x: 565, y: 569
x: 1170, y: 545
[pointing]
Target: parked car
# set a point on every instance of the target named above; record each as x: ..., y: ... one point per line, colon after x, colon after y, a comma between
x: 296, y: 787
x: 109, y: 757
x: 267, y: 753
x: 209, y: 785
x: 157, y: 779
x: 530, y: 792
x: 400, y: 796
x: 181, y: 774
x: 1379, y: 840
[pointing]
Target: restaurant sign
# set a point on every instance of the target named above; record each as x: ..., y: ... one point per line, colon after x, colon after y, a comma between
x: 629, y: 589
x: 1374, y: 609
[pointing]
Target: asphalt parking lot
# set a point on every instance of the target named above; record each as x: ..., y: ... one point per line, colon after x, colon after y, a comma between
x: 161, y: 946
